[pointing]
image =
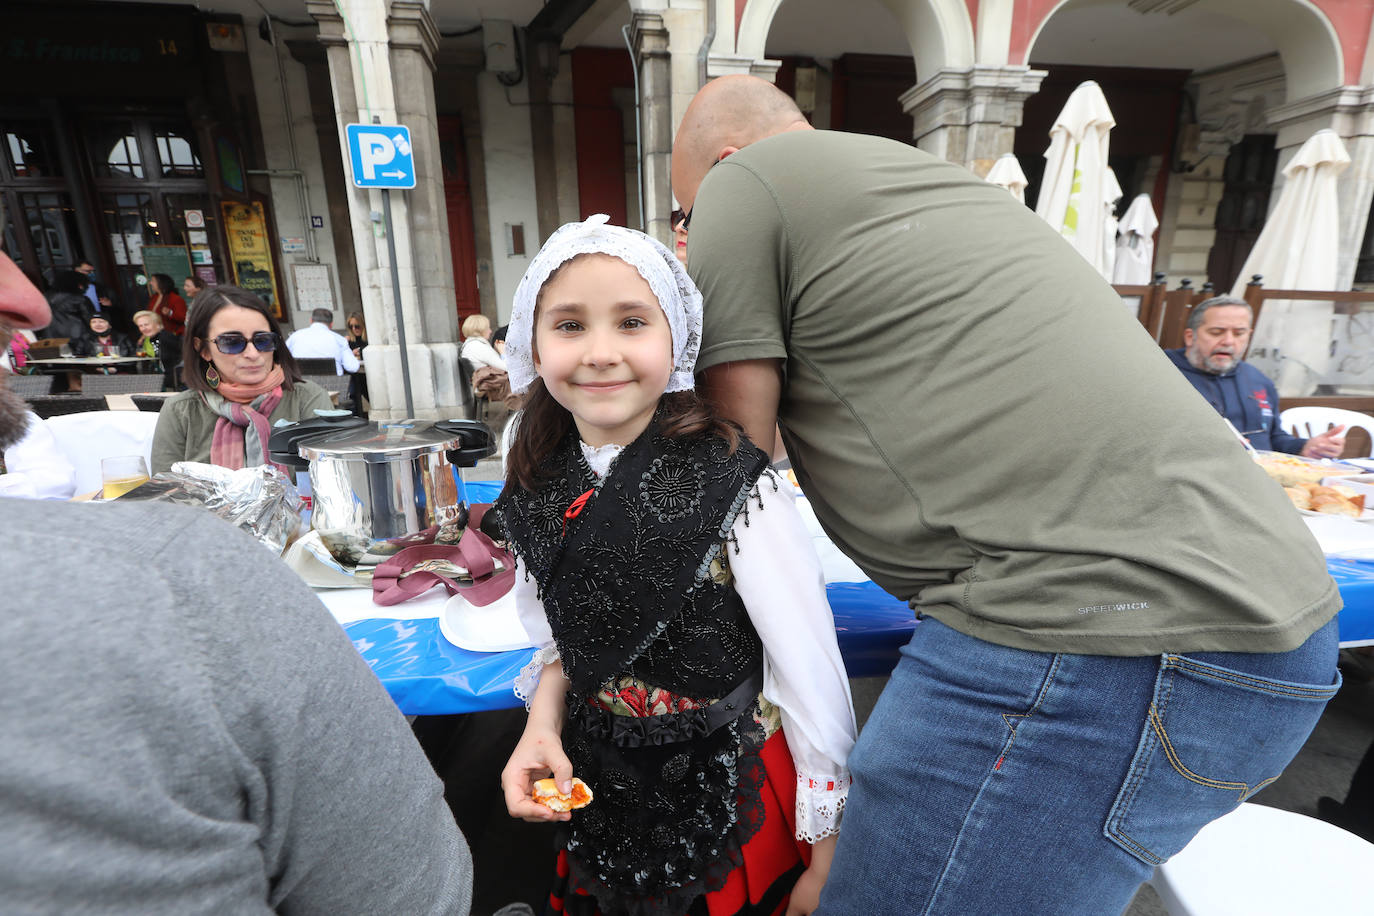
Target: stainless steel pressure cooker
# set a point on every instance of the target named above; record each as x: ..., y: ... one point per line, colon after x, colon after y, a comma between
x: 382, y: 486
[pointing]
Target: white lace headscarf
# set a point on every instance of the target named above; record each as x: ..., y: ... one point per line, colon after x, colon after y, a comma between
x: 676, y: 293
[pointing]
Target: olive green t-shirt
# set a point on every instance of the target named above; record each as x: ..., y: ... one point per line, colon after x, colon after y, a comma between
x: 978, y: 420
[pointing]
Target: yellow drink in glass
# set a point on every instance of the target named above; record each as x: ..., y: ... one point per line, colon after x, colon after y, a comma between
x: 121, y: 473
x: 113, y: 487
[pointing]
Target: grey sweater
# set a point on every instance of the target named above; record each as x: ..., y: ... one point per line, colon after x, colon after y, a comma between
x: 205, y: 741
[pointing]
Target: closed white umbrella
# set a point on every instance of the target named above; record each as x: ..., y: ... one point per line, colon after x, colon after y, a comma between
x: 1135, y: 243
x: 1074, y: 195
x: 1006, y: 173
x: 1111, y: 193
x: 1297, y: 250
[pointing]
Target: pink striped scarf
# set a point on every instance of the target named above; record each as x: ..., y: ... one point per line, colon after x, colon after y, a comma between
x: 243, y: 430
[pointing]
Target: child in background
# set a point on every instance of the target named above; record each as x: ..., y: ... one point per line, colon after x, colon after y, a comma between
x: 687, y: 668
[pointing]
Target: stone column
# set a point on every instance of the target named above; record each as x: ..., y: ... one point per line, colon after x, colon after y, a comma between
x: 389, y: 75
x: 541, y: 67
x: 970, y: 116
x: 650, y: 41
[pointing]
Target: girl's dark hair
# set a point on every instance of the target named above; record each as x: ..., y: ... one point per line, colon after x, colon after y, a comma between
x: 545, y: 423
x: 203, y: 308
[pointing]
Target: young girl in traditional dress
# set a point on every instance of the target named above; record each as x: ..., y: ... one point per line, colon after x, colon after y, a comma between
x: 687, y: 668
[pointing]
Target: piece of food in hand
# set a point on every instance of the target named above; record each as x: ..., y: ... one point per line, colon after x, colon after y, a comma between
x: 546, y: 793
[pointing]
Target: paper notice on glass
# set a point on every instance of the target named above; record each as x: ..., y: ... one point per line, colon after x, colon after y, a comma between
x: 201, y: 256
x: 133, y: 241
x: 314, y: 286
x: 121, y: 255
x: 198, y: 237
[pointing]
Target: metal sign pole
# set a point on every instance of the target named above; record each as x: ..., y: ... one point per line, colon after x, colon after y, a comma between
x: 396, y: 299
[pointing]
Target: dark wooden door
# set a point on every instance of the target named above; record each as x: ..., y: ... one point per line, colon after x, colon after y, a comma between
x: 1244, y: 205
x: 458, y: 201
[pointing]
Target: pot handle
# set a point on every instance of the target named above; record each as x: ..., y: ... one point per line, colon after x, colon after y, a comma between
x: 477, y: 441
x: 284, y: 445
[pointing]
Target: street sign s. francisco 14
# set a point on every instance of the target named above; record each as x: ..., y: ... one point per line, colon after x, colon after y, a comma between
x: 381, y: 155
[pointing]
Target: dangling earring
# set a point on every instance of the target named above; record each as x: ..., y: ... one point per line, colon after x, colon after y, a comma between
x: 211, y: 376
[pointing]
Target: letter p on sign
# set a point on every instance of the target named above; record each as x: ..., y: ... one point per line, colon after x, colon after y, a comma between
x: 380, y: 155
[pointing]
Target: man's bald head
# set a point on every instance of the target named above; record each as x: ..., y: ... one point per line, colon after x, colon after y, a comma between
x: 727, y: 114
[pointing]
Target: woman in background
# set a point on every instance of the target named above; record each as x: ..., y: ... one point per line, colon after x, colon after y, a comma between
x: 241, y: 379
x: 357, y: 382
x: 101, y: 340
x: 170, y: 307
x: 477, y: 347
x: 159, y: 343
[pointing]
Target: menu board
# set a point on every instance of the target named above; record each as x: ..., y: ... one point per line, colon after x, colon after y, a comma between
x: 171, y: 260
x: 250, y: 253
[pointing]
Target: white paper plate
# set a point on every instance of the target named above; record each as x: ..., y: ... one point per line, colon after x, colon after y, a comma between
x: 1366, y: 516
x: 491, y: 628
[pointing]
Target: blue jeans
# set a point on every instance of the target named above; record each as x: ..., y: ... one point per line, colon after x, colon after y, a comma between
x: 991, y: 780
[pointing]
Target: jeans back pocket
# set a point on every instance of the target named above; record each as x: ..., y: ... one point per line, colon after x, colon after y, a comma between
x: 1212, y: 738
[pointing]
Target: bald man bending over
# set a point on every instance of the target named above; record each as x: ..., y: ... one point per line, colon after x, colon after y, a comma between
x: 1126, y: 630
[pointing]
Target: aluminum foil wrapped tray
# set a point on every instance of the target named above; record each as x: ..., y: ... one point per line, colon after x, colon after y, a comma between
x: 260, y: 500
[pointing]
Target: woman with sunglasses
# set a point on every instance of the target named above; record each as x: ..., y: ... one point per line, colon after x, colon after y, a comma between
x: 240, y: 380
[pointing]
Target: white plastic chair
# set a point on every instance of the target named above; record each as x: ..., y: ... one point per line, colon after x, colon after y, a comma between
x: 1309, y: 421
x: 1261, y: 861
x: 85, y: 438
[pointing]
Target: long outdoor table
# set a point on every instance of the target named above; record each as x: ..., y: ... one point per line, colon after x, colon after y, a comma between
x: 78, y: 362
x: 427, y: 675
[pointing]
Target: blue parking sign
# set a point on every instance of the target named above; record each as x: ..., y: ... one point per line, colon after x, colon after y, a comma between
x: 381, y: 155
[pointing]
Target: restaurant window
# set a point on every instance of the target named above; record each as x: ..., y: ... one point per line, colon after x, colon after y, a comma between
x: 113, y: 148
x: 176, y: 154
x: 1364, y: 266
x: 31, y: 150
x: 130, y: 222
x: 1244, y: 206
x: 51, y: 223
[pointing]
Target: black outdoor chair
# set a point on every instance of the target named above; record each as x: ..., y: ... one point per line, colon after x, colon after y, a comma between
x: 314, y: 366
x: 54, y: 405
x: 466, y: 393
x: 120, y: 384
x: 149, y: 402
x: 31, y: 386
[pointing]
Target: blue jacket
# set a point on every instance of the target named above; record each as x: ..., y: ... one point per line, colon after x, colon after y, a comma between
x: 1247, y: 398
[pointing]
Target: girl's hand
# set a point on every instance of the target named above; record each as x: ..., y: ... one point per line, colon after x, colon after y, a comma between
x: 539, y: 753
x: 806, y: 894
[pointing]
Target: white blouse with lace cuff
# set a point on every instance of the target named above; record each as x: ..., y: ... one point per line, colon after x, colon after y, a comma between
x: 781, y: 584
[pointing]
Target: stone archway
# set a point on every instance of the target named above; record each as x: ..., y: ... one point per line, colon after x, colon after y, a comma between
x: 1306, y: 39
x: 939, y: 31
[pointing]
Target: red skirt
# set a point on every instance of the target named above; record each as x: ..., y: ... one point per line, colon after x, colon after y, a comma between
x: 773, y: 857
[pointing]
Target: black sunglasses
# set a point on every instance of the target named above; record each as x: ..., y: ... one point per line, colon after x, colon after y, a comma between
x: 234, y: 343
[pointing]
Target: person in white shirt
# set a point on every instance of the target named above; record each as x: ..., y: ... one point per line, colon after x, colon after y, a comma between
x: 319, y: 341
x: 34, y: 467
x: 477, y: 346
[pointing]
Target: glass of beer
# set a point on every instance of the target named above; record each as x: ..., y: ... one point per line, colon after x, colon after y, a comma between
x: 121, y: 473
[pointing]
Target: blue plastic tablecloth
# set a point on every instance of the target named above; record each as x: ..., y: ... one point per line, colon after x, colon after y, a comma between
x: 427, y: 675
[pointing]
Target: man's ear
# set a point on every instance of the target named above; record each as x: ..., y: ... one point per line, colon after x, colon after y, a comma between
x: 726, y: 151
x: 1188, y: 336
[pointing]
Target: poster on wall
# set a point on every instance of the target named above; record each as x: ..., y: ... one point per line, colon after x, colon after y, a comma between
x: 250, y: 251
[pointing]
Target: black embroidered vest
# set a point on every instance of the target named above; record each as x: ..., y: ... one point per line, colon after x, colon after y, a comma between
x: 628, y: 590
